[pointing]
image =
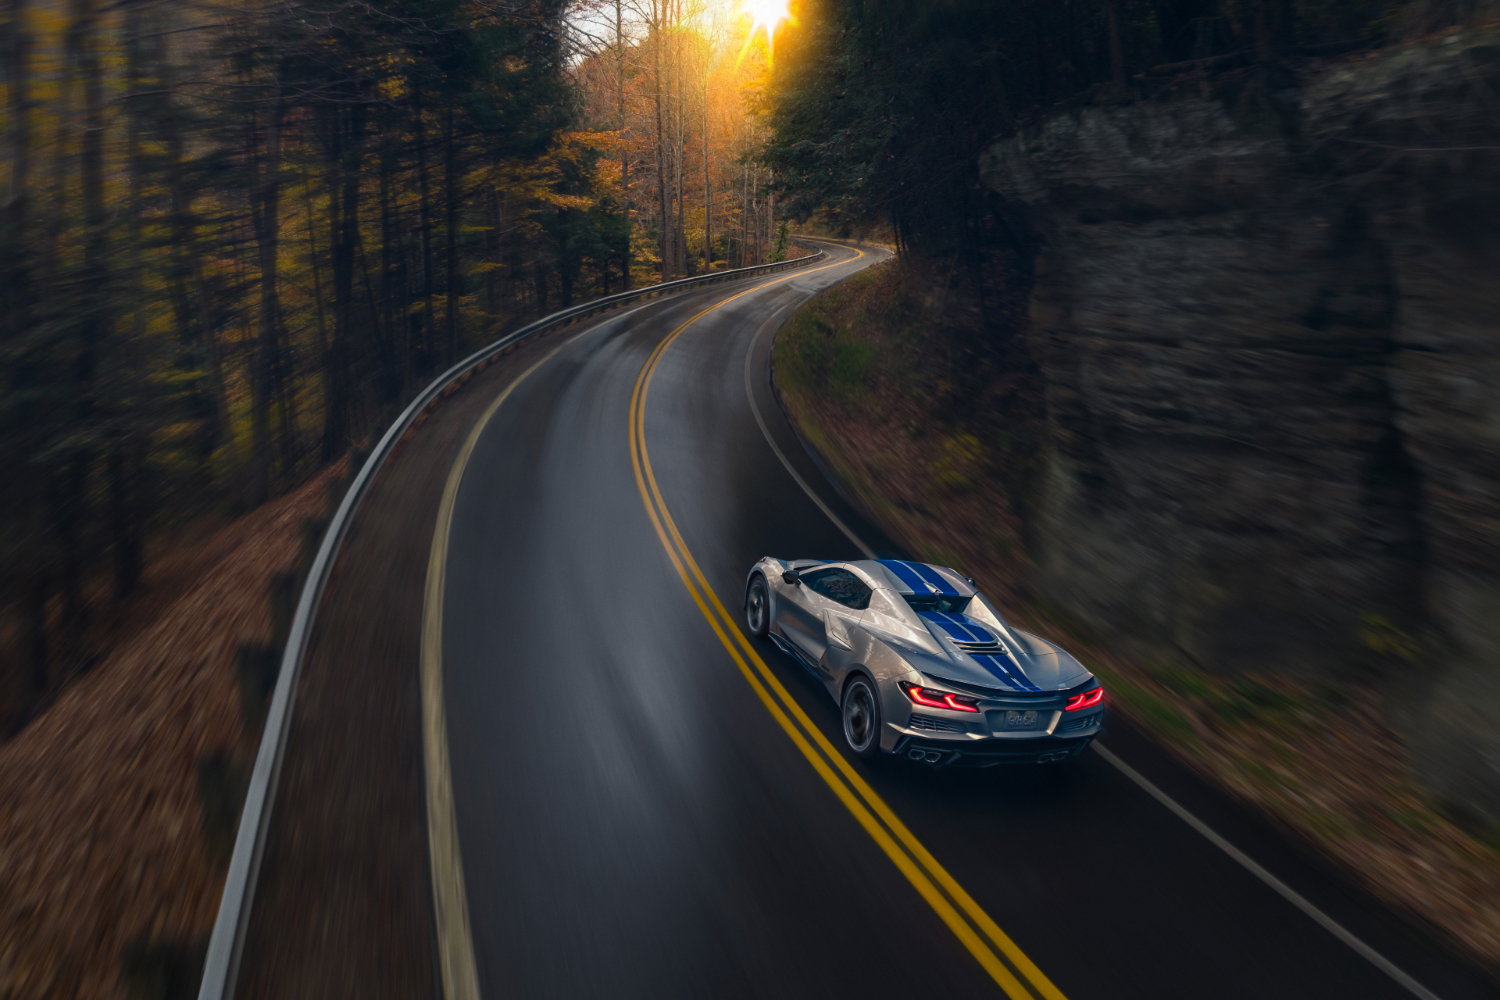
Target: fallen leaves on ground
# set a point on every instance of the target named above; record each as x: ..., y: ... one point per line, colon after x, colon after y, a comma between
x: 101, y: 828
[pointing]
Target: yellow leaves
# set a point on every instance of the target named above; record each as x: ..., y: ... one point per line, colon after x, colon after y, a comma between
x: 957, y: 462
x: 1380, y: 635
x: 557, y: 200
x: 607, y: 143
x: 562, y: 178
x: 392, y: 88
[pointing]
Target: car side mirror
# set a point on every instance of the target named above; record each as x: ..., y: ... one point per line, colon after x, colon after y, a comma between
x: 791, y: 576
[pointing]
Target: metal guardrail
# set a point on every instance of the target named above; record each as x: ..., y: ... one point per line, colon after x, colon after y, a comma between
x: 221, y: 966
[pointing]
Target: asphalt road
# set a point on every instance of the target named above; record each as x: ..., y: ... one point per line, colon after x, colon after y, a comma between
x: 635, y: 821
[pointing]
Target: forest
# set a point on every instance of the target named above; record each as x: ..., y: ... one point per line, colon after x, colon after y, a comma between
x: 919, y: 88
x: 236, y: 238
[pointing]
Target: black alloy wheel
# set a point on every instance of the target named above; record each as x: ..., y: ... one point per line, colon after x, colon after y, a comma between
x: 758, y: 607
x: 861, y: 712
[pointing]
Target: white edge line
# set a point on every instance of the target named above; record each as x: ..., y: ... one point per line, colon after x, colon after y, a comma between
x: 1285, y: 891
x: 859, y: 543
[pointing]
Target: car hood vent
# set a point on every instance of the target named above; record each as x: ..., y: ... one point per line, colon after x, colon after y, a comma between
x: 1023, y: 665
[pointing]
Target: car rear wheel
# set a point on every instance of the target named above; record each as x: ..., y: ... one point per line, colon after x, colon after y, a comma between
x: 861, y: 712
x: 758, y: 607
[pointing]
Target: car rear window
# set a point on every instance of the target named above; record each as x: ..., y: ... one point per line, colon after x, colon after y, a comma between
x: 951, y: 604
x: 840, y: 585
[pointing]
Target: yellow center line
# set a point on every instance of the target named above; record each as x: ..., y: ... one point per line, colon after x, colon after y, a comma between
x: 915, y: 861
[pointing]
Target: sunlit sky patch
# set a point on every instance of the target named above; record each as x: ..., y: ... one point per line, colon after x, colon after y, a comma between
x: 765, y: 14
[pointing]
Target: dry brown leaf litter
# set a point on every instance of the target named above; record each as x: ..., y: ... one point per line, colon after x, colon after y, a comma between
x: 101, y: 835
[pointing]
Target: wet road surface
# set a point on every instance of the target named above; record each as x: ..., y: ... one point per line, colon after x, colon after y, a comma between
x: 635, y: 822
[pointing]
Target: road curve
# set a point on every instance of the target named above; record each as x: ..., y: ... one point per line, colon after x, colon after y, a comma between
x: 634, y: 821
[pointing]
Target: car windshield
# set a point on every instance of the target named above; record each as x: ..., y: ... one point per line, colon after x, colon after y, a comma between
x: 947, y: 603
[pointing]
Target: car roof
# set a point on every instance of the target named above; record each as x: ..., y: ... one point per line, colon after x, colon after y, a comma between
x: 906, y: 577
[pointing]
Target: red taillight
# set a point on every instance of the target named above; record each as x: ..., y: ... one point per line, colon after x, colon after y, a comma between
x: 933, y: 698
x: 1084, y: 699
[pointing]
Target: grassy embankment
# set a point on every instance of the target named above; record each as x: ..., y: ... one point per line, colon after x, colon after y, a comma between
x: 931, y: 433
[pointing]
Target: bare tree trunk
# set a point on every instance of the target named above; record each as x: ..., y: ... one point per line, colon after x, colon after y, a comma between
x: 192, y: 304
x: 387, y: 264
x: 539, y: 276
x: 38, y: 590
x: 346, y: 237
x: 94, y: 327
x: 15, y: 320
x: 404, y: 256
x: 17, y: 282
x: 679, y: 233
x: 317, y: 270
x: 624, y: 153
x: 745, y: 209
x: 122, y: 464
x: 1263, y: 49
x: 284, y: 383
x: 661, y: 163
x: 491, y: 250
x: 383, y: 346
x: 708, y: 232
x: 424, y: 217
x: 755, y: 246
x: 267, y: 217
x: 450, y: 208
x: 124, y: 470
x: 1117, y: 46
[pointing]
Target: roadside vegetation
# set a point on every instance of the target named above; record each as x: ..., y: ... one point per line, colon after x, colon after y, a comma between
x: 937, y: 438
x: 1031, y: 394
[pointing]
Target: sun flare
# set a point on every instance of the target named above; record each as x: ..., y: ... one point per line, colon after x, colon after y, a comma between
x: 765, y: 14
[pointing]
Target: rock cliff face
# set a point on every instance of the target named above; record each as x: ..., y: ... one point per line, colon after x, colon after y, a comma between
x: 1268, y: 319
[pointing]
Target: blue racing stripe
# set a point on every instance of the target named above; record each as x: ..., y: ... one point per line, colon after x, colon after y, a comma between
x: 949, y: 625
x: 905, y: 575
x: 1002, y: 668
x: 985, y: 635
x: 981, y: 634
x: 964, y: 629
x: 936, y: 582
x: 973, y: 631
x: 998, y: 667
x: 967, y: 632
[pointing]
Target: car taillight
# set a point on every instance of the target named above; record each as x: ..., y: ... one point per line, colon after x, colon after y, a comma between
x: 1084, y: 699
x: 932, y: 698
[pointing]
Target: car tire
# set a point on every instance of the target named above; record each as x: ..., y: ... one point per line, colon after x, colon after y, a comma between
x: 758, y: 606
x: 859, y: 711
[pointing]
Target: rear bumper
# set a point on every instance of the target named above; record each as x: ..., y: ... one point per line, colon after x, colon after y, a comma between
x: 988, y: 753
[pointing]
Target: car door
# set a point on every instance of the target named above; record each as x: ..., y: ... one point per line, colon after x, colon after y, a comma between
x: 800, y: 615
x: 837, y: 600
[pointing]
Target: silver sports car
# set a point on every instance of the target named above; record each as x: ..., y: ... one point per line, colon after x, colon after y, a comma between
x: 921, y: 665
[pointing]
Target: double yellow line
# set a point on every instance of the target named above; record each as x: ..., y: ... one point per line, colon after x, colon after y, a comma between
x: 996, y: 952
